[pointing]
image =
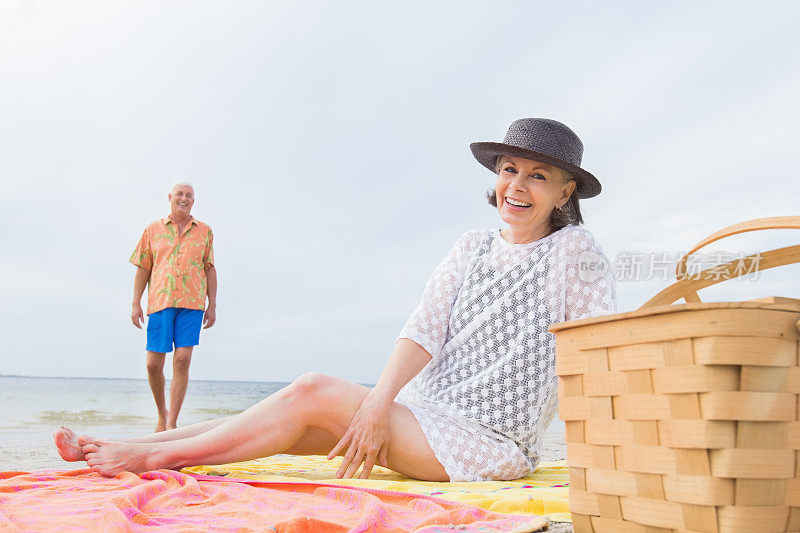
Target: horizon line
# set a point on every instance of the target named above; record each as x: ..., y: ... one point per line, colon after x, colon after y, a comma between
x: 145, y: 379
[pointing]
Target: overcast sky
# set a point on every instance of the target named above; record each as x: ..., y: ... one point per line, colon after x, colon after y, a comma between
x: 328, y: 145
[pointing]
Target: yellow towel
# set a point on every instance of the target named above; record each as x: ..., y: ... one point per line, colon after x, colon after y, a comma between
x: 545, y: 492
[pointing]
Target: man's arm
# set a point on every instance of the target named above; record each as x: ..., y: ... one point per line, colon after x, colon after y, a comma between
x: 211, y: 309
x: 139, y: 283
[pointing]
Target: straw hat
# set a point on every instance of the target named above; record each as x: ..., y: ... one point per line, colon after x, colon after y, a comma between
x: 544, y: 140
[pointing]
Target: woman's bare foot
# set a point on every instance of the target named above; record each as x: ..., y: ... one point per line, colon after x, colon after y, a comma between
x: 67, y: 443
x: 161, y: 425
x: 171, y: 425
x: 109, y: 458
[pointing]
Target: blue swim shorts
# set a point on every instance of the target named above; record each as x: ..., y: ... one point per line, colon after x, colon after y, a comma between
x: 173, y: 325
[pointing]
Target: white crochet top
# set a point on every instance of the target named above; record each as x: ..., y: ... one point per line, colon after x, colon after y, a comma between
x: 483, y: 318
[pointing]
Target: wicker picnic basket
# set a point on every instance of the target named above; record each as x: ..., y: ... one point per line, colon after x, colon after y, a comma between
x: 685, y: 417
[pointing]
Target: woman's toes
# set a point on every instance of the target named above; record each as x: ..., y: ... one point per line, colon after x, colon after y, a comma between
x: 68, y: 448
x: 90, y: 448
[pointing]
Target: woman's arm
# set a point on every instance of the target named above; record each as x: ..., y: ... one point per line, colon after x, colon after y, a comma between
x: 589, y: 283
x: 421, y: 340
x: 368, y: 435
x: 407, y: 360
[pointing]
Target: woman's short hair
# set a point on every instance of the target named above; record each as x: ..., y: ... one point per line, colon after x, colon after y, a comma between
x: 567, y: 214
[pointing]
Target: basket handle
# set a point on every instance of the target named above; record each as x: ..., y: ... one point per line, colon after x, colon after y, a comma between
x: 686, y: 287
x: 790, y: 222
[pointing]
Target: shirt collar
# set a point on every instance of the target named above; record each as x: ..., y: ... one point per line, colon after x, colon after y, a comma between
x: 168, y: 220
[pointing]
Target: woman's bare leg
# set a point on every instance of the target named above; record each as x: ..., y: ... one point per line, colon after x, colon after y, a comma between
x: 180, y: 433
x: 69, y: 443
x: 308, y: 417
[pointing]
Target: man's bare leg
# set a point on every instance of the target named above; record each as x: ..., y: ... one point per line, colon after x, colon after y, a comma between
x: 155, y: 376
x: 308, y: 417
x: 181, y: 360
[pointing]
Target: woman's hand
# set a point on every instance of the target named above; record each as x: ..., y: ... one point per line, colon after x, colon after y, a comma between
x: 367, y: 437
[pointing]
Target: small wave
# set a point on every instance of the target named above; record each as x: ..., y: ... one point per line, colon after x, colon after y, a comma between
x: 217, y: 412
x: 91, y: 418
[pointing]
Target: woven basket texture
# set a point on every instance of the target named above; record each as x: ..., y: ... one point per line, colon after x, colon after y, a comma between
x: 683, y: 417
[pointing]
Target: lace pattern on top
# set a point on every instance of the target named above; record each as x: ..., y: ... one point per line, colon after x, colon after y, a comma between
x: 483, y: 318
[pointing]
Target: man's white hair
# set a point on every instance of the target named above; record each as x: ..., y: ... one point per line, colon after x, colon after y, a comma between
x: 179, y: 184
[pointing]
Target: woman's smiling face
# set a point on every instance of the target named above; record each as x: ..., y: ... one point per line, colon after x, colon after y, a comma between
x: 528, y: 191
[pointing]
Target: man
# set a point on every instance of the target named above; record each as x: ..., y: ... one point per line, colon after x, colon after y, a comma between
x: 175, y: 257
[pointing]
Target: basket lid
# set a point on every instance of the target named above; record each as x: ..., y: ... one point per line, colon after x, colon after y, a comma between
x: 772, y: 302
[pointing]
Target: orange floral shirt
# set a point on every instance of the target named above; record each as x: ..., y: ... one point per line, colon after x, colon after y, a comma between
x: 177, y: 263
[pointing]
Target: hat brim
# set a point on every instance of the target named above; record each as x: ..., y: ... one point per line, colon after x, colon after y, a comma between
x: 487, y: 152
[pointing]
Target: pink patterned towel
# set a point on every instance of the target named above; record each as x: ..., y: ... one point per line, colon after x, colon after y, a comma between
x: 164, y: 500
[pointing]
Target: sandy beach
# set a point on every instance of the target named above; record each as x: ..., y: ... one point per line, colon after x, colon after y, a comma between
x: 119, y: 408
x: 34, y: 407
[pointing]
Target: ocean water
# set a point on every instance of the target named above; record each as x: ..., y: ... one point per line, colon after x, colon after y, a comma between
x: 33, y: 407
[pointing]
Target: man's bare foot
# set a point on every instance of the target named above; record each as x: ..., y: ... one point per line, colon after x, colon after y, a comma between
x: 68, y: 446
x: 109, y: 458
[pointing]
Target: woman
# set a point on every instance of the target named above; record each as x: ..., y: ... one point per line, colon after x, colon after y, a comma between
x: 470, y: 387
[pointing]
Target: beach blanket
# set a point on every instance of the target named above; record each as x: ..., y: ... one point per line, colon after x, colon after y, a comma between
x: 545, y: 492
x: 164, y: 500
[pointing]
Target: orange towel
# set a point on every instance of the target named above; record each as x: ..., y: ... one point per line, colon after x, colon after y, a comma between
x: 165, y: 500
